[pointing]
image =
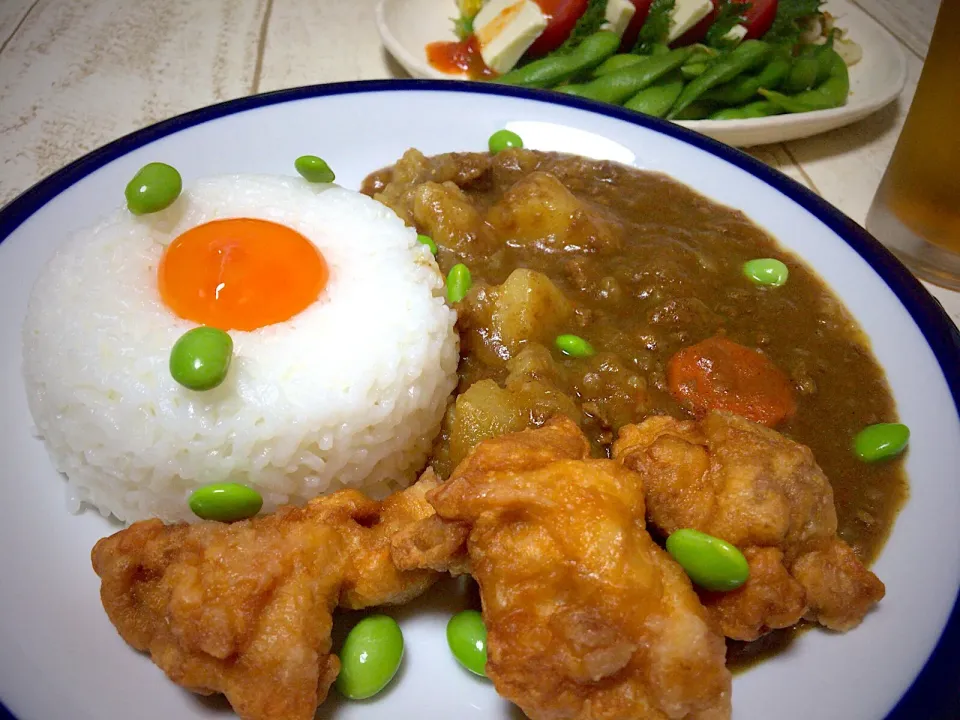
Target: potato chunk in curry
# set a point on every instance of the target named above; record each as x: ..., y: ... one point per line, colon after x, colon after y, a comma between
x: 497, y: 321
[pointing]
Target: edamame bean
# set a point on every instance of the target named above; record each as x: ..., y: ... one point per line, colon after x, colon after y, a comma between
x: 154, y: 188
x: 200, y: 359
x: 314, y: 169
x: 766, y: 271
x: 710, y: 562
x: 503, y: 139
x: 428, y: 241
x: 467, y: 638
x: 574, y: 346
x: 370, y: 657
x: 459, y: 281
x: 881, y: 441
x: 225, y: 502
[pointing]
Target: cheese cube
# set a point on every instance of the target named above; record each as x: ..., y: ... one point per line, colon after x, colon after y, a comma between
x: 505, y: 29
x: 736, y: 33
x: 686, y: 14
x: 618, y: 15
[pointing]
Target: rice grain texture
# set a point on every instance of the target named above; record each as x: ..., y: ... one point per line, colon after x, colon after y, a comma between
x: 348, y: 393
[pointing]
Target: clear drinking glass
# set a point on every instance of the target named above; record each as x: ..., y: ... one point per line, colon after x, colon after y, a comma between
x: 916, y: 212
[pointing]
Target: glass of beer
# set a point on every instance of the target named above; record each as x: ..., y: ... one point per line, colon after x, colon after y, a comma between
x: 916, y: 212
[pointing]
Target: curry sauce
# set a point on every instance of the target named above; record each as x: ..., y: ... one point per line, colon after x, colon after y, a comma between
x: 640, y: 266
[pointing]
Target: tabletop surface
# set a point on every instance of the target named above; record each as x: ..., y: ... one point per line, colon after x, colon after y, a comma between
x: 76, y: 74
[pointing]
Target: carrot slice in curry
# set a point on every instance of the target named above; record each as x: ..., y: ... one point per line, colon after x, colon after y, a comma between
x: 719, y: 374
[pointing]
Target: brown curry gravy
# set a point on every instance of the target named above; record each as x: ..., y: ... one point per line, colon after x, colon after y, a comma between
x: 663, y: 271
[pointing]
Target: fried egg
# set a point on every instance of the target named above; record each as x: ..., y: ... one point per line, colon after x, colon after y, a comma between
x: 344, y: 349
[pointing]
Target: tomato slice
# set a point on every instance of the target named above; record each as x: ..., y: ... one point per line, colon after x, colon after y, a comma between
x: 636, y: 22
x: 699, y: 31
x: 562, y: 15
x: 757, y: 19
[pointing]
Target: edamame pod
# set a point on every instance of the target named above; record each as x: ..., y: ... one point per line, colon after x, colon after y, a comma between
x: 694, y: 70
x: 824, y: 62
x: 617, y: 62
x: 740, y: 90
x: 830, y: 94
x: 656, y: 100
x: 618, y: 86
x: 550, y: 71
x: 803, y: 74
x: 758, y: 109
x: 745, y: 56
x: 699, y: 110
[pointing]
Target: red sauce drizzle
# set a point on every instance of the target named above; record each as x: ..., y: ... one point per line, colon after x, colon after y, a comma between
x: 461, y: 57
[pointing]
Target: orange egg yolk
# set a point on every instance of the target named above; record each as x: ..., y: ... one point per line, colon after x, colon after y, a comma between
x: 240, y: 274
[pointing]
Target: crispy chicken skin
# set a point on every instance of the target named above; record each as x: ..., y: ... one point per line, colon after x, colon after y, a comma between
x: 764, y: 493
x: 245, y: 608
x: 587, y: 617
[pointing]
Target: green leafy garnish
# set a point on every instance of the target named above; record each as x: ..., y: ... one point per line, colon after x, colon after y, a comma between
x: 463, y: 26
x: 729, y: 15
x: 786, y: 25
x: 656, y: 28
x: 589, y: 23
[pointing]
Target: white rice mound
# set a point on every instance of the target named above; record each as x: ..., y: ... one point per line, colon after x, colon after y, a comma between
x: 348, y: 393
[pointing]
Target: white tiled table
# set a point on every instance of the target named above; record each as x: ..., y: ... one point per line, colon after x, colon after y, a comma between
x: 75, y: 74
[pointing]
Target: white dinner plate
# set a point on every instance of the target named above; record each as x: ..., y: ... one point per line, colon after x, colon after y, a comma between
x: 61, y: 657
x: 407, y: 26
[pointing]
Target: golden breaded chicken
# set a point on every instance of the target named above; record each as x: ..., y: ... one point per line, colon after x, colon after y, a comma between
x: 245, y: 608
x: 587, y: 617
x: 764, y: 493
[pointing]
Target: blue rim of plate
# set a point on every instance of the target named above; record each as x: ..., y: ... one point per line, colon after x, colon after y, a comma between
x: 935, y: 692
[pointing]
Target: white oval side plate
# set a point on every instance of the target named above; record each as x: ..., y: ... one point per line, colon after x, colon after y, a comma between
x: 407, y: 26
x: 61, y: 658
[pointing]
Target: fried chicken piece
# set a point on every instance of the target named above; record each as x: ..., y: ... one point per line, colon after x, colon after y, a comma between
x: 246, y: 608
x: 764, y: 493
x: 587, y: 617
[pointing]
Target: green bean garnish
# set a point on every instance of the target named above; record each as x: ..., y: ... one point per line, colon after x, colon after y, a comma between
x: 200, y: 359
x: 370, y: 657
x: 154, y: 188
x: 225, y: 502
x: 428, y: 241
x: 458, y: 282
x: 503, y: 139
x: 574, y: 346
x: 314, y: 169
